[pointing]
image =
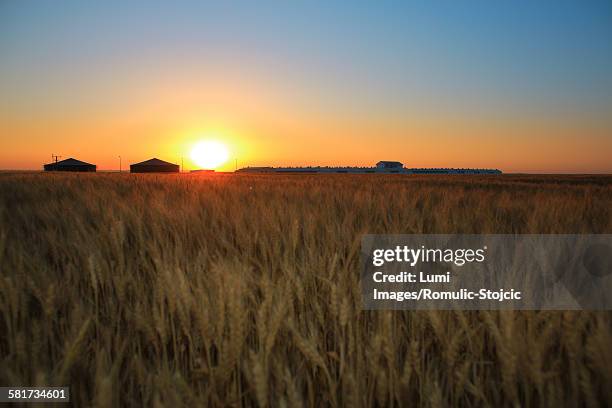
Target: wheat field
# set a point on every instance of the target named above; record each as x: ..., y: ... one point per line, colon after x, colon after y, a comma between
x: 243, y: 290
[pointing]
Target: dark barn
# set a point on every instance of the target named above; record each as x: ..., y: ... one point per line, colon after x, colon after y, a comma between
x: 389, y: 165
x: 154, y: 166
x: 70, y: 165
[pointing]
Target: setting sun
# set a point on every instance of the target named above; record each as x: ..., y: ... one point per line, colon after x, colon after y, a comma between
x: 209, y: 154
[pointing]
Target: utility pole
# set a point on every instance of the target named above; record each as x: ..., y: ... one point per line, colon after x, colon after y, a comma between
x: 119, y: 164
x: 236, y: 168
x: 54, y: 157
x: 182, y: 165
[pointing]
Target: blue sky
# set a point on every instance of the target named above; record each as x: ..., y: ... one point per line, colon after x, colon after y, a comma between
x: 481, y: 59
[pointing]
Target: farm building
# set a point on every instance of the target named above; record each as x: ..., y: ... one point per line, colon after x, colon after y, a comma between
x: 154, y: 165
x: 382, y: 167
x: 389, y: 165
x: 70, y: 165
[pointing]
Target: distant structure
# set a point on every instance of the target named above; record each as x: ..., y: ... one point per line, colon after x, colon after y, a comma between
x: 70, y: 165
x: 154, y: 165
x: 389, y: 165
x: 382, y: 167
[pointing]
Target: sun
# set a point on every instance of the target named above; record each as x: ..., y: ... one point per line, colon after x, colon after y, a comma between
x: 209, y: 154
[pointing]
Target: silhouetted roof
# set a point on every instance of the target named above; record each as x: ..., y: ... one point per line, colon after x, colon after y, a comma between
x: 390, y: 162
x: 153, y: 162
x: 71, y: 162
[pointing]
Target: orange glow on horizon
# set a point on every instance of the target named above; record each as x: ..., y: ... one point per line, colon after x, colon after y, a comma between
x: 286, y: 86
x: 262, y: 125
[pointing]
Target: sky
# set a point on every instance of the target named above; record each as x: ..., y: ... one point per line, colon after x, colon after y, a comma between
x: 523, y: 86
